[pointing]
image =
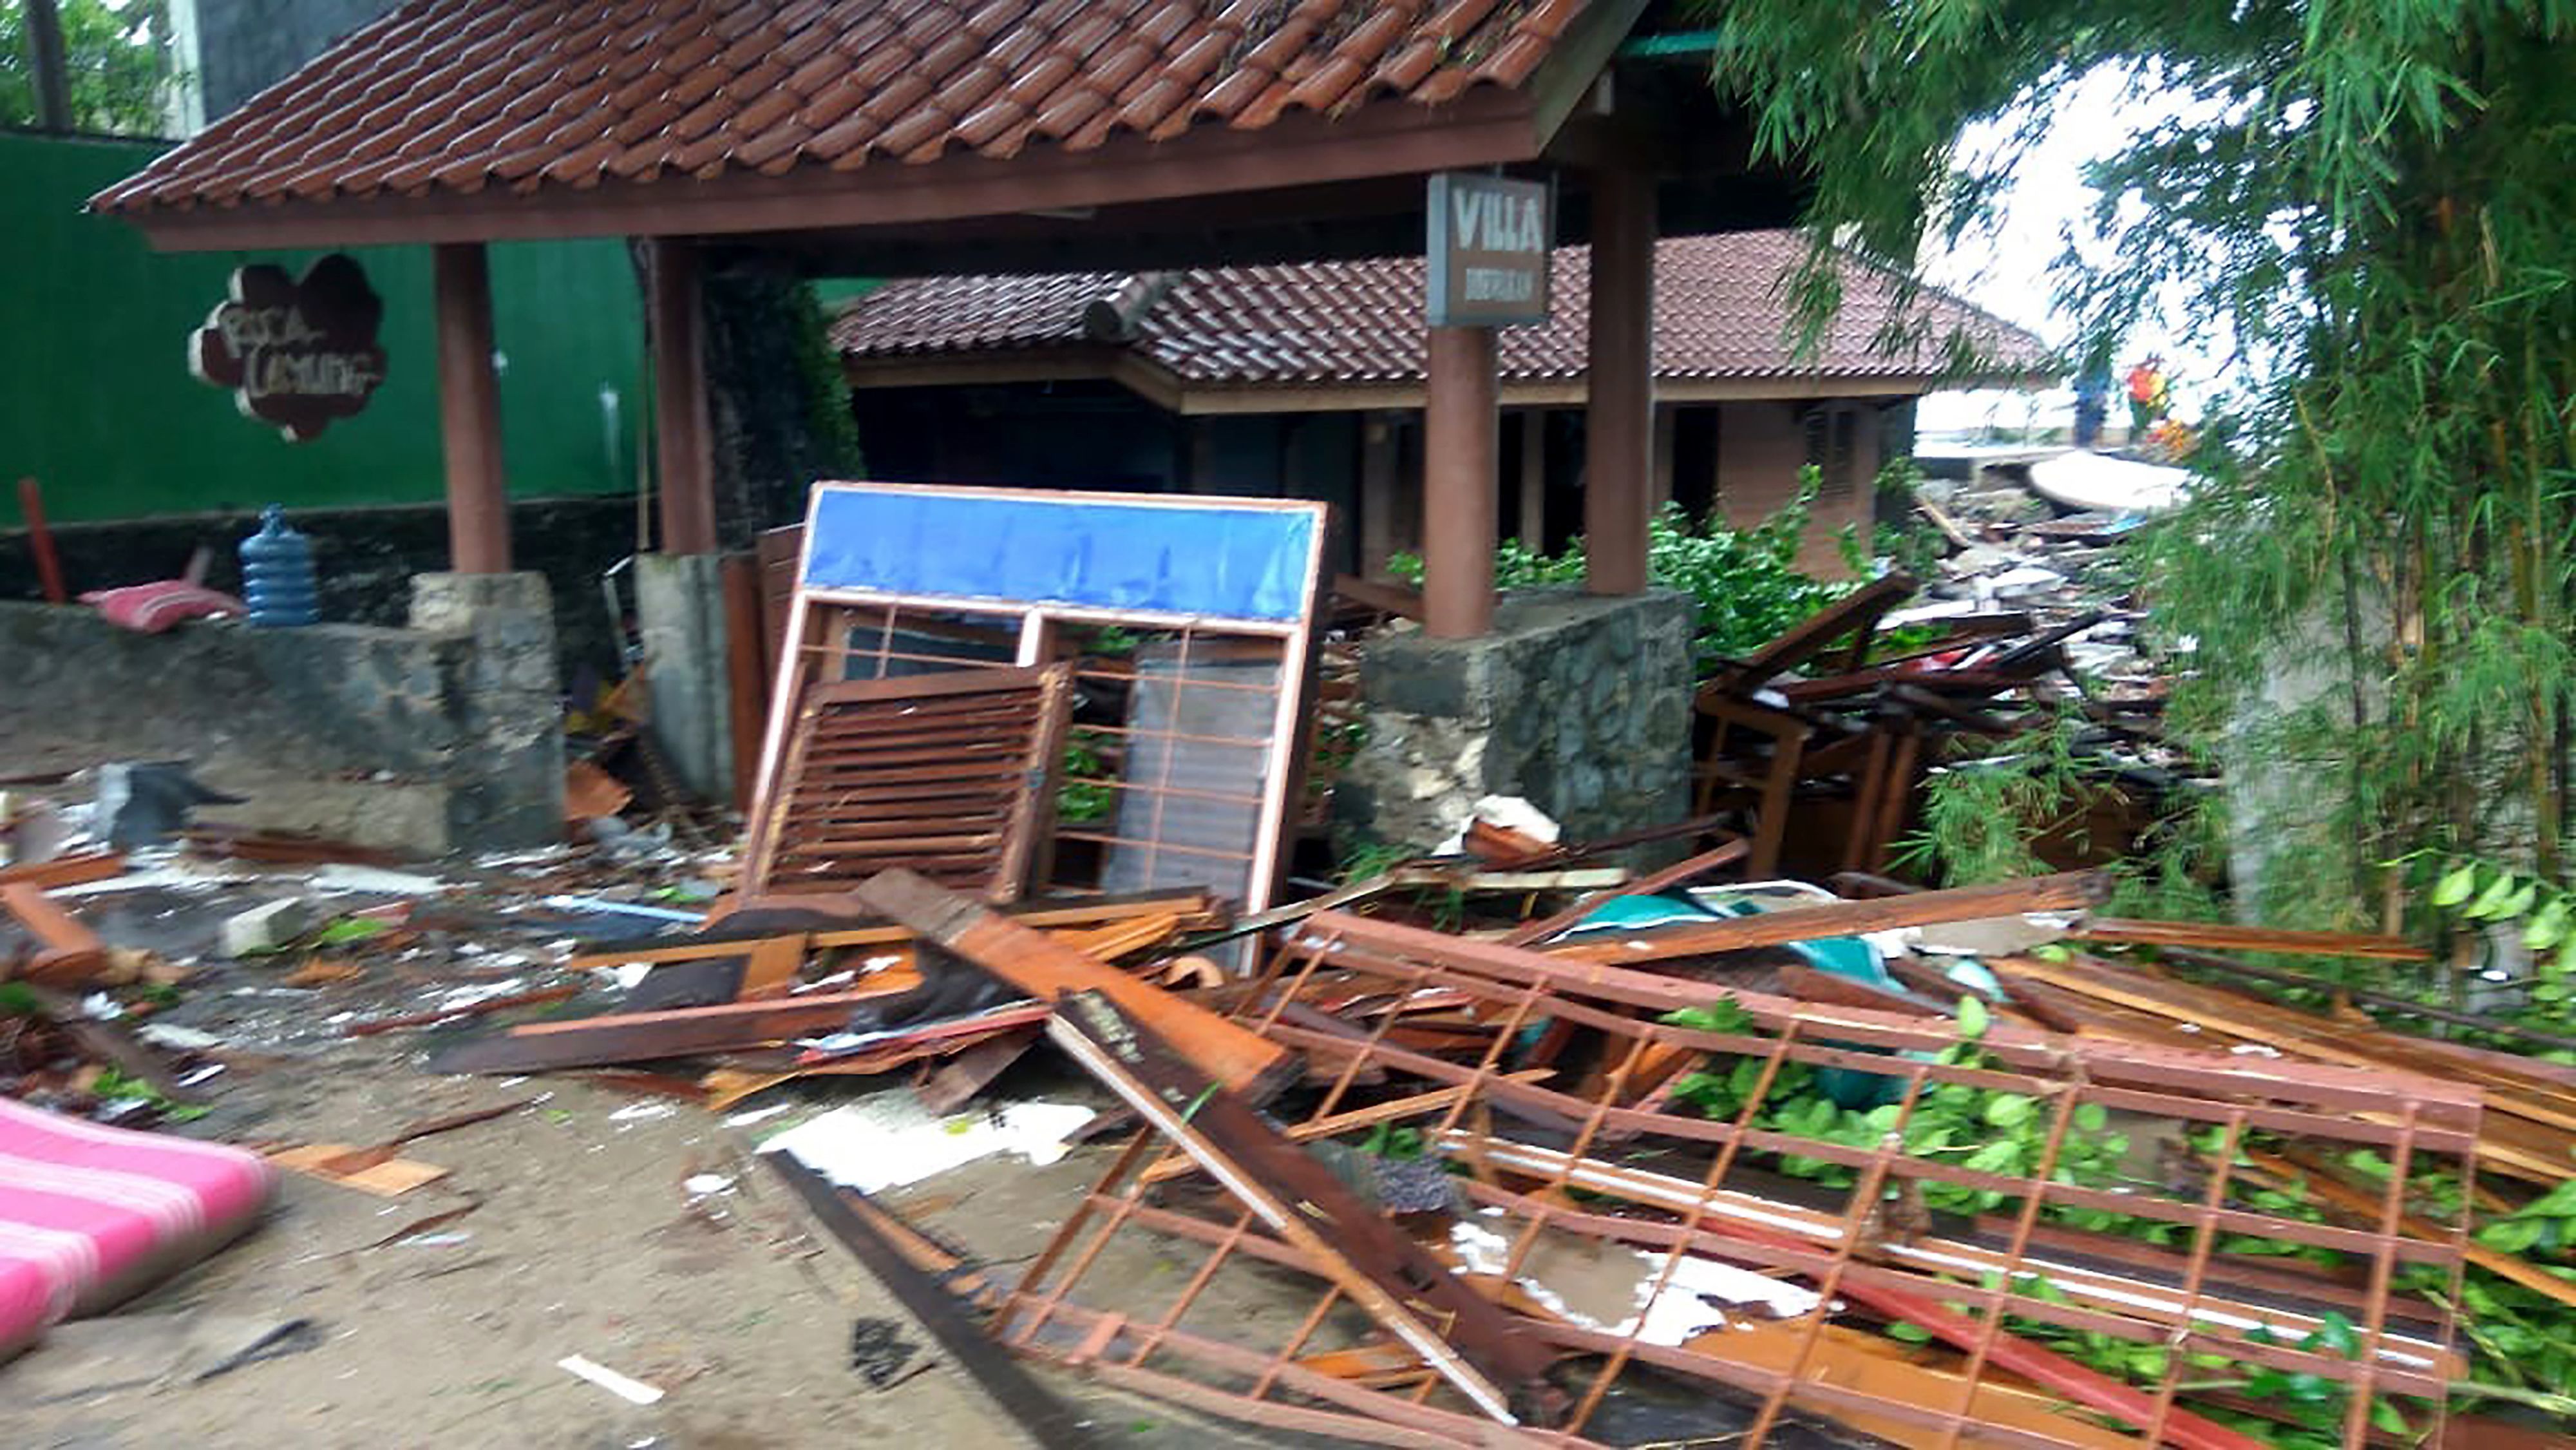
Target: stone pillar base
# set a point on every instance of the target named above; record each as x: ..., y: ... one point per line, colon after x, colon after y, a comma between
x: 1579, y: 704
x: 680, y: 613
x: 506, y: 775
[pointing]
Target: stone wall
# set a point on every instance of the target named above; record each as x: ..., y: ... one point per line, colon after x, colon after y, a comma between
x: 1580, y: 705
x: 421, y: 740
x: 366, y: 559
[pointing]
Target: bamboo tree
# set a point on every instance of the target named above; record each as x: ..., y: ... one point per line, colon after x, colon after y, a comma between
x: 2367, y: 204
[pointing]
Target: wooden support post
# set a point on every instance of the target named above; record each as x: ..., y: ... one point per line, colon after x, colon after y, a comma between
x: 1459, y: 483
x: 681, y: 441
x: 1619, y: 418
x: 1659, y: 490
x: 469, y: 412
x: 1379, y: 479
x: 1533, y: 527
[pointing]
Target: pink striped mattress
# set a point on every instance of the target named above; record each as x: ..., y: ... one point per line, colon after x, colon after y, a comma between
x: 91, y: 1215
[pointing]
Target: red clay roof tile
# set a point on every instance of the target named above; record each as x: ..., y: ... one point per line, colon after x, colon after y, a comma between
x: 449, y: 94
x: 1718, y: 314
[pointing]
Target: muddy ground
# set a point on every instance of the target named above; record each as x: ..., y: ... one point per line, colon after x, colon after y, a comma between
x: 580, y: 1235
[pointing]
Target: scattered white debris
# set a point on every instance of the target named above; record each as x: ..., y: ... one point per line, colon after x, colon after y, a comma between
x: 701, y: 1185
x: 1684, y: 1307
x: 266, y: 927
x: 458, y: 998
x: 176, y: 1038
x: 373, y: 880
x: 758, y: 1115
x: 625, y: 908
x: 887, y: 1140
x: 100, y: 1007
x: 626, y: 975
x: 641, y: 1113
x: 633, y: 1391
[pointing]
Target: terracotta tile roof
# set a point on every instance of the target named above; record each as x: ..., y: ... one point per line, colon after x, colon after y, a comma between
x: 1719, y: 313
x: 463, y: 95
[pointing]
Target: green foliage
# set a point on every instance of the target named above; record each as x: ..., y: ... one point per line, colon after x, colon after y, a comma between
x: 116, y: 60
x: 1746, y: 582
x: 2364, y: 207
x: 114, y: 1085
x: 1085, y: 795
x: 1982, y: 1129
x: 2472, y: 895
x: 827, y: 389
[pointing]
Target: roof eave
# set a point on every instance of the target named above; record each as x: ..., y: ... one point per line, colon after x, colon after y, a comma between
x: 1485, y: 127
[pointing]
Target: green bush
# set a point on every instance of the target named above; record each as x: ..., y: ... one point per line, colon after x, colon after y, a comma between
x: 1746, y: 582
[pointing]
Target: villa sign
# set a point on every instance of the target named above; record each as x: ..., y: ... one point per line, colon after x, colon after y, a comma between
x: 295, y: 354
x: 1490, y: 239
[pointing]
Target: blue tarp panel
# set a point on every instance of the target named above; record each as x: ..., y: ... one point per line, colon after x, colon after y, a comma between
x: 1211, y: 558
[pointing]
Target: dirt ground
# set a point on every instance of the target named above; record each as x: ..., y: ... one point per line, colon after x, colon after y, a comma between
x: 582, y: 1235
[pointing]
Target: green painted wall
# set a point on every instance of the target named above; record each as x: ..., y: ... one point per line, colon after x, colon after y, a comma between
x: 96, y: 400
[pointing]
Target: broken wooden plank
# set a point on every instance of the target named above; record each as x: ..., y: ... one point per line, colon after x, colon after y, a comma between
x: 2221, y: 936
x: 70, y: 953
x: 2071, y: 891
x: 488, y: 1005
x: 645, y: 1036
x: 1664, y: 880
x: 64, y: 871
x: 1045, y: 969
x: 832, y: 920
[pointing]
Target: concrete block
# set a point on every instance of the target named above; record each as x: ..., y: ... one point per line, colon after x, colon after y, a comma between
x: 679, y: 613
x: 1579, y: 704
x: 266, y: 928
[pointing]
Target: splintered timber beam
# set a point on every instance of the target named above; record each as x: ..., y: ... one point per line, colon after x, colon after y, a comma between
x: 644, y: 1036
x: 2218, y: 936
x: 2072, y: 891
x: 1479, y: 1350
x: 1047, y: 969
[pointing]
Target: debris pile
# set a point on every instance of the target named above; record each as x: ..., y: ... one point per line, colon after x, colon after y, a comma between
x: 1522, y: 1141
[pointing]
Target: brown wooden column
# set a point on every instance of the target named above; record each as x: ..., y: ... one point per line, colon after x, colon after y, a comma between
x: 681, y: 440
x: 1460, y: 425
x: 1619, y: 417
x: 1381, y: 475
x: 1659, y: 490
x: 469, y: 412
x: 1533, y: 528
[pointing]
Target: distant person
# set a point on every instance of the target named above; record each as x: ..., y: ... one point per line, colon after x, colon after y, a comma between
x: 2092, y: 404
x: 2150, y: 396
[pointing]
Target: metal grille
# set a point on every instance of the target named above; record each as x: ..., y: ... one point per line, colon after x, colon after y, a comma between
x: 1564, y: 1162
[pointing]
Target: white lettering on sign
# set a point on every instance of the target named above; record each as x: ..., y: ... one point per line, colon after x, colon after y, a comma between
x: 297, y: 353
x: 1492, y: 221
x: 1500, y: 284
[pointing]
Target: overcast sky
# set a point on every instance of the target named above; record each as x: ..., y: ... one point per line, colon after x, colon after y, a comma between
x: 2007, y: 270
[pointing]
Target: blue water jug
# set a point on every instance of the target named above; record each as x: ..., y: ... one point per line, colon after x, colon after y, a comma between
x: 277, y: 573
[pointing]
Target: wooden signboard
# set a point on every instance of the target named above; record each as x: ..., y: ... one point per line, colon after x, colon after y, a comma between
x: 1489, y: 242
x: 295, y: 354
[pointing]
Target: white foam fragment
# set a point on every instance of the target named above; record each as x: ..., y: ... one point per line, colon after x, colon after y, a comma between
x: 888, y: 1140
x: 373, y: 880
x: 641, y: 1113
x: 456, y: 998
x: 633, y: 1391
